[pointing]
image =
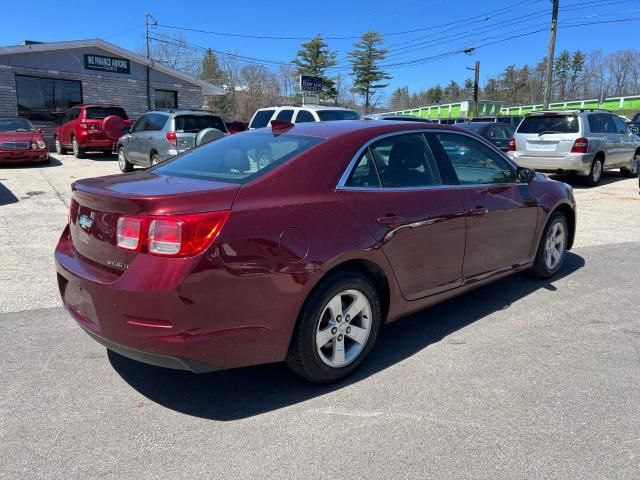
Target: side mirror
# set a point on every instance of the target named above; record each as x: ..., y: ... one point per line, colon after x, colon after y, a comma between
x: 525, y: 175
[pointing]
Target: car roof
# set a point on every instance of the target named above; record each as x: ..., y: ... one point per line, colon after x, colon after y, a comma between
x: 183, y: 111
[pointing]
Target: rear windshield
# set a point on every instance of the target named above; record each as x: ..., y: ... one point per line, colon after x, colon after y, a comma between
x: 261, y: 119
x: 15, y: 125
x: 549, y: 124
x: 329, y: 115
x: 195, y: 123
x: 237, y: 158
x: 98, y: 113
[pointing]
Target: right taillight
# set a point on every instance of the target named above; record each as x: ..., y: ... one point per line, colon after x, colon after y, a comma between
x: 128, y: 233
x: 172, y: 138
x: 171, y: 235
x: 512, y: 144
x: 581, y: 145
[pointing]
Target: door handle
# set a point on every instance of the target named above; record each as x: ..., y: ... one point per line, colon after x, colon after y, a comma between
x: 392, y: 221
x: 479, y: 211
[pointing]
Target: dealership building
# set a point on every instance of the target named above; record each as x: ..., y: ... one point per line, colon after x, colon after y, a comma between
x: 41, y: 81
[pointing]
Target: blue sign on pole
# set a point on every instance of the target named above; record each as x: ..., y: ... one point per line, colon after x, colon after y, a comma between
x: 310, y: 84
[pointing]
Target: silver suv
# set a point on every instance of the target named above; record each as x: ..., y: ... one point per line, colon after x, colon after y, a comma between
x: 581, y: 142
x: 159, y: 135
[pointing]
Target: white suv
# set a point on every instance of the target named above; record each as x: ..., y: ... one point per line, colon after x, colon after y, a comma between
x: 306, y: 113
x: 584, y: 142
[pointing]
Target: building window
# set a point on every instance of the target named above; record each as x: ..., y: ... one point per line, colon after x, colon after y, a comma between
x: 46, y: 99
x: 166, y: 99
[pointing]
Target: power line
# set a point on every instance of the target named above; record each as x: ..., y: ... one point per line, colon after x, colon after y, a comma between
x: 481, y: 17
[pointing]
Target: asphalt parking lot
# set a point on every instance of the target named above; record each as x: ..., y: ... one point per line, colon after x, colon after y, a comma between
x: 520, y: 379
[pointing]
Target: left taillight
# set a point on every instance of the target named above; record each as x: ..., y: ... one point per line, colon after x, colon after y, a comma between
x: 171, y: 235
x: 512, y: 144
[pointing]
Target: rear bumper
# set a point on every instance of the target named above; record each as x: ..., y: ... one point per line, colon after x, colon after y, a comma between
x: 150, y: 358
x: 95, y: 140
x: 573, y: 162
x: 189, y: 314
x: 36, y: 155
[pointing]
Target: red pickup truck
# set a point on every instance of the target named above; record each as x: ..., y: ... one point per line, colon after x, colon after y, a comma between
x: 91, y: 128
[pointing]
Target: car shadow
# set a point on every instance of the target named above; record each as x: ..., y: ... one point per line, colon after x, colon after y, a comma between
x: 240, y: 393
x: 6, y: 196
x: 578, y: 183
x: 53, y: 162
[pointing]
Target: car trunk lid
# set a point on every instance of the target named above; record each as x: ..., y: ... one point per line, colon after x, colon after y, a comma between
x: 98, y: 203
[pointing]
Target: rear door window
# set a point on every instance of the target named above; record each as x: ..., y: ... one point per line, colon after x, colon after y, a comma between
x: 620, y: 126
x: 330, y: 115
x: 285, y: 115
x: 304, y: 116
x: 196, y: 123
x: 405, y: 161
x: 98, y: 113
x: 261, y: 119
x: 237, y: 158
x: 549, y: 124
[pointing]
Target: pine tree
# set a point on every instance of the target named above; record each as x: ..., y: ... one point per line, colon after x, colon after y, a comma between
x: 211, y: 71
x: 314, y: 58
x: 562, y: 68
x: 365, y: 62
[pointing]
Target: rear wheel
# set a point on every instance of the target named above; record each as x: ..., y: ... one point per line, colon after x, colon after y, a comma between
x: 552, y: 249
x: 78, y: 151
x: 632, y: 171
x: 155, y: 159
x: 123, y: 163
x: 60, y: 150
x: 595, y: 175
x: 336, y: 329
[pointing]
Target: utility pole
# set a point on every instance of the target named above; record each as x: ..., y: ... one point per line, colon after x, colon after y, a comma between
x: 550, y: 54
x: 148, y: 16
x: 476, y: 87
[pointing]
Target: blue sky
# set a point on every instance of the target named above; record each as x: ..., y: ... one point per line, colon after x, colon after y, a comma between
x: 470, y: 23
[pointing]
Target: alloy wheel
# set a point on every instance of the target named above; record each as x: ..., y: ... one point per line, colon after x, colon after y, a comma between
x: 555, y: 246
x: 75, y: 146
x: 597, y: 171
x: 122, y: 162
x: 343, y: 329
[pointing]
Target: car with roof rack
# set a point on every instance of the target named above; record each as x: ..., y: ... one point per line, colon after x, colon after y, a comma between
x: 300, y: 114
x: 92, y: 127
x: 581, y: 142
x: 161, y: 134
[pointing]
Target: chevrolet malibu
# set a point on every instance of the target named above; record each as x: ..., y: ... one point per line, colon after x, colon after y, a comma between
x: 297, y: 243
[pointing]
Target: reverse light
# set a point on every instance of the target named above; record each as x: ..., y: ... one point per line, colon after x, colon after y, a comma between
x: 165, y: 237
x: 581, y: 145
x: 171, y: 235
x: 128, y: 233
x: 512, y: 144
x: 172, y: 138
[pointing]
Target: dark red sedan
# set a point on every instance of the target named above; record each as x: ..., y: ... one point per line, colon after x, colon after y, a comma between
x: 297, y: 242
x: 21, y: 142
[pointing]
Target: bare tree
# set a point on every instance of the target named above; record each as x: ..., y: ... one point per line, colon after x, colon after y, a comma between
x: 175, y: 52
x: 620, y: 65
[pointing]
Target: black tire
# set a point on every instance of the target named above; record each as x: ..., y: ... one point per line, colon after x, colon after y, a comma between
x: 303, y: 356
x: 595, y: 174
x: 60, y: 150
x: 123, y: 163
x: 78, y: 151
x: 540, y: 269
